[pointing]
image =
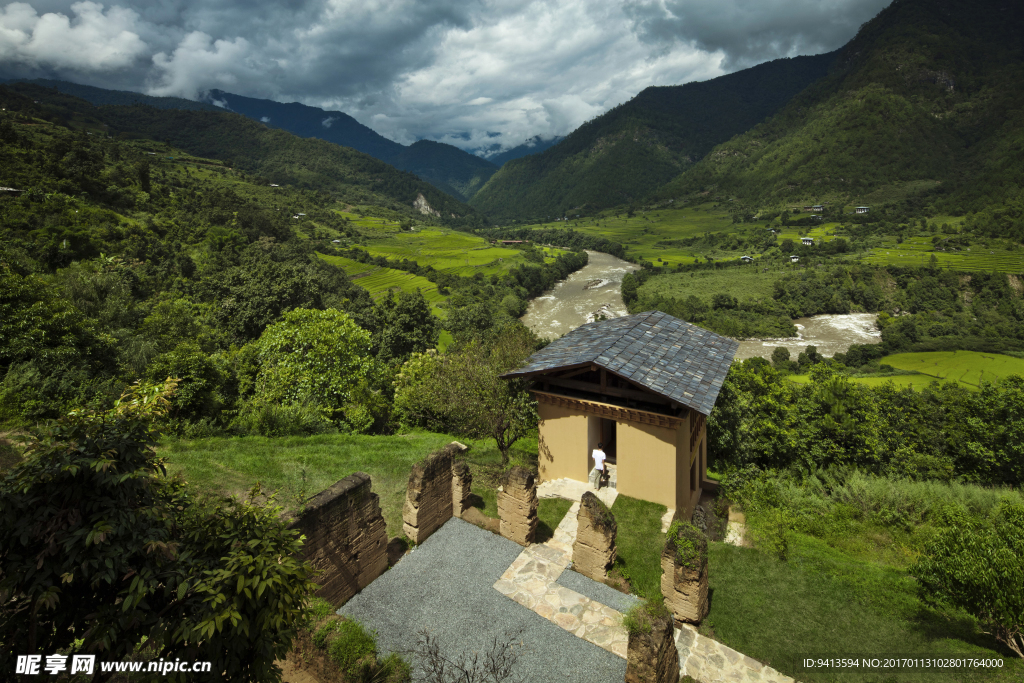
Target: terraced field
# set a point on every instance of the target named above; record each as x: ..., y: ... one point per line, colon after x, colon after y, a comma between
x: 916, y: 382
x: 918, y: 251
x: 381, y: 281
x: 970, y: 368
x: 967, y: 368
x: 650, y: 235
x: 447, y: 250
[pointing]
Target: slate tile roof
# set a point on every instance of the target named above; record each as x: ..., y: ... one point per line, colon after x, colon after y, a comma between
x: 666, y: 355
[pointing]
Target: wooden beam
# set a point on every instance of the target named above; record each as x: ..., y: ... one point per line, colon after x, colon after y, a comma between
x: 579, y: 371
x: 645, y: 396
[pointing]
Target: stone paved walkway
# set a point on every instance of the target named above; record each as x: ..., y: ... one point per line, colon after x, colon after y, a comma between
x: 571, y: 489
x: 709, y: 661
x: 531, y: 581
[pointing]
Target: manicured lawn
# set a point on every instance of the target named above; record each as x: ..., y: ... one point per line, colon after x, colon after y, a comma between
x: 639, y: 543
x: 227, y: 466
x: 824, y: 602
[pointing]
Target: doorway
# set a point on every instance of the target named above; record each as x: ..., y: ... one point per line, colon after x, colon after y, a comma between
x: 607, y: 431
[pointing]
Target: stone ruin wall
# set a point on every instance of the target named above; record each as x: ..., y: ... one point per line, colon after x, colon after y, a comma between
x: 653, y: 657
x: 462, y: 481
x: 593, y: 552
x: 438, y: 488
x: 517, y: 506
x: 685, y: 588
x: 346, y: 539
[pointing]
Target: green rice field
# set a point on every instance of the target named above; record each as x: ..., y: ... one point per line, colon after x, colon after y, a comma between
x: 967, y: 367
x: 381, y: 281
x: 450, y: 251
x: 650, y: 235
x: 918, y: 251
x: 916, y: 382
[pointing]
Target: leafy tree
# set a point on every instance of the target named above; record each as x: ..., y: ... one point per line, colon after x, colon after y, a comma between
x: 462, y: 391
x: 780, y: 358
x: 978, y: 566
x: 408, y: 327
x: 198, y: 393
x: 319, y: 356
x: 99, y: 550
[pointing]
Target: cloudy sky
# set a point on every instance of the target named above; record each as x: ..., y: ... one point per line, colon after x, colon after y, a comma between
x: 469, y: 72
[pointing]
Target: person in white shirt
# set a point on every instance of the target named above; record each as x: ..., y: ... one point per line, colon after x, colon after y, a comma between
x: 602, y: 471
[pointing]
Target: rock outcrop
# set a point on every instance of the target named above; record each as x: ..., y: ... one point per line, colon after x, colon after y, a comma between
x: 594, y: 550
x: 517, y: 505
x: 684, y: 573
x: 652, y: 657
x: 428, y: 498
x: 345, y: 537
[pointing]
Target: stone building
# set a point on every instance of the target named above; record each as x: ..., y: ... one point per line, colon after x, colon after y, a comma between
x: 643, y: 386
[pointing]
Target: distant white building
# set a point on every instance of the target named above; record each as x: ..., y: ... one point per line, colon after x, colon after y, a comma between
x: 274, y: 185
x: 794, y: 258
x: 335, y: 241
x: 860, y: 209
x: 746, y: 259
x: 807, y: 241
x: 818, y: 208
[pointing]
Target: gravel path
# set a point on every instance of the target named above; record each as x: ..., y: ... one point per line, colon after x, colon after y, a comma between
x: 446, y: 586
x: 606, y: 595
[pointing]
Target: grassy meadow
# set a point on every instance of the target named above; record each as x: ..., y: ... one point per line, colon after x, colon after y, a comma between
x: 826, y: 602
x: 293, y: 465
x: 742, y: 283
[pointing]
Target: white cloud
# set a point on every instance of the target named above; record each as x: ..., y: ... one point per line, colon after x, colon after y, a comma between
x: 265, y: 119
x: 93, y: 40
x: 476, y: 74
x: 326, y: 123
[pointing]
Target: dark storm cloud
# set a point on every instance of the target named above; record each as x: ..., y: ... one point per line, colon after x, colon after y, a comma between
x: 447, y: 70
x: 749, y: 32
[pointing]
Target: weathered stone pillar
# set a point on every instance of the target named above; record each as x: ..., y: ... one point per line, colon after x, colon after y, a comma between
x: 345, y: 537
x: 594, y: 550
x: 462, y: 481
x: 428, y: 498
x: 652, y: 657
x: 517, y: 505
x: 684, y: 573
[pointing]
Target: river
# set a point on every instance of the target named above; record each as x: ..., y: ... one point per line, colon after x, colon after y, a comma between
x: 591, y: 291
x: 830, y: 334
x: 595, y: 290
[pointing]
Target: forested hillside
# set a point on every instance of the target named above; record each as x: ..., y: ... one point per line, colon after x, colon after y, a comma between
x: 622, y: 155
x: 925, y: 100
x: 272, y: 155
x: 124, y: 258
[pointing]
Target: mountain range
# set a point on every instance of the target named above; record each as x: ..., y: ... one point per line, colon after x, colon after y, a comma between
x: 924, y: 105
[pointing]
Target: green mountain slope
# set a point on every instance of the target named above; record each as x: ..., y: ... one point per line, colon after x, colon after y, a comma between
x: 275, y: 155
x: 927, y: 91
x: 446, y: 167
x: 624, y: 154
